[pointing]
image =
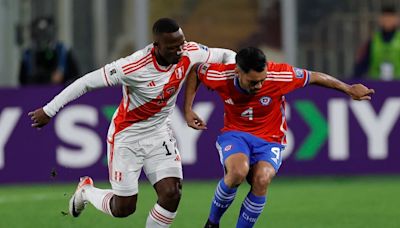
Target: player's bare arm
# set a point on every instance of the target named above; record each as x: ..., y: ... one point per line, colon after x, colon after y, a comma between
x: 355, y: 91
x: 192, y: 84
x: 39, y: 118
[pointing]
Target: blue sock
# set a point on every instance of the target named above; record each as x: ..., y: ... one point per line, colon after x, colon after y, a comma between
x: 223, y: 197
x: 251, y: 208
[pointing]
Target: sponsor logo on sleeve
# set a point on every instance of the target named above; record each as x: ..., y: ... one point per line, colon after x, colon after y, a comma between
x: 204, y: 68
x: 299, y: 72
x: 113, y: 71
x: 205, y: 48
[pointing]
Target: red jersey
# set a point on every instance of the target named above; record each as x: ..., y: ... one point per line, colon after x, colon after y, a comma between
x: 261, y: 114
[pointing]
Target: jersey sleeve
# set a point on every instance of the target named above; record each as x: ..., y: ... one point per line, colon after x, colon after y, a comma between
x: 79, y: 87
x: 214, y: 75
x: 109, y: 75
x: 287, y: 77
x: 200, y: 53
x: 112, y: 73
x: 221, y: 55
x: 197, y: 53
x: 123, y: 70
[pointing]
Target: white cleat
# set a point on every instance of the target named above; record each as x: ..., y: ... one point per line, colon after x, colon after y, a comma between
x: 77, y: 203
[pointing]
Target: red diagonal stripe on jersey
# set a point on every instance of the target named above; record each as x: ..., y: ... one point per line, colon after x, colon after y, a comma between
x: 126, y: 118
x: 137, y: 62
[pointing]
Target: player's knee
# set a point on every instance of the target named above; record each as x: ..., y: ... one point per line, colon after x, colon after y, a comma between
x: 122, y: 207
x: 237, y: 176
x: 171, y: 193
x: 261, y: 181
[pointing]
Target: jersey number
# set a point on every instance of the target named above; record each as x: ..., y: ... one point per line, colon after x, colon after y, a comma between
x: 248, y: 113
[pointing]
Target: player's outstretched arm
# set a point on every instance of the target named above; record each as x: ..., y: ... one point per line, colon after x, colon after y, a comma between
x: 192, y: 84
x: 41, y: 116
x: 355, y: 91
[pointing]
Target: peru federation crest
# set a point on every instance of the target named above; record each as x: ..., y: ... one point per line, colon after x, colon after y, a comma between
x: 179, y: 73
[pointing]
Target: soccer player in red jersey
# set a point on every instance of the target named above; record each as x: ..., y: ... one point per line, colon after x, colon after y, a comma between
x: 253, y: 137
x: 139, y: 135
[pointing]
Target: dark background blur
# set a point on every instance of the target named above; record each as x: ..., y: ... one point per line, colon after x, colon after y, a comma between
x: 313, y: 34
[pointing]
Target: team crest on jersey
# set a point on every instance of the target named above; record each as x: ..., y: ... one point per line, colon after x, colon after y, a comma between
x: 265, y: 100
x: 228, y: 148
x: 161, y: 98
x: 171, y: 90
x: 179, y: 73
x: 299, y: 72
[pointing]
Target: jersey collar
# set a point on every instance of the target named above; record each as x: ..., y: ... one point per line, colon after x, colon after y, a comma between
x: 237, y: 86
x: 156, y: 65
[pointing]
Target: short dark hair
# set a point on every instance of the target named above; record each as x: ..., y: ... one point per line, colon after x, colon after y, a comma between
x: 251, y: 58
x: 165, y: 25
x: 390, y: 9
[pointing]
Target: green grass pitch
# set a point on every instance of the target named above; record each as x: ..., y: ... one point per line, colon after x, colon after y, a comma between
x: 293, y: 202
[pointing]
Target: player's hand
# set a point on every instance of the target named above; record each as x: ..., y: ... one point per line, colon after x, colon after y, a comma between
x: 39, y: 118
x: 360, y: 92
x: 194, y: 121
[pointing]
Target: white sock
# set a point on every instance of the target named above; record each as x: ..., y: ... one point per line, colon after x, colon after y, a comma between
x: 99, y: 198
x: 159, y: 217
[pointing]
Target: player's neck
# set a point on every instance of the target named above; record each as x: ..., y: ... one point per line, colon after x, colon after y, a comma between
x: 160, y: 60
x: 238, y: 86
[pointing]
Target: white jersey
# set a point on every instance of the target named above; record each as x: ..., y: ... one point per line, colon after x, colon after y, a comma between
x: 149, y: 90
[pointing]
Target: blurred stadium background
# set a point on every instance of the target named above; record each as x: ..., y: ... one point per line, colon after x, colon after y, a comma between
x: 341, y: 167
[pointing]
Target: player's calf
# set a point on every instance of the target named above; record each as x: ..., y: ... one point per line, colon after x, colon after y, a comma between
x: 123, y: 206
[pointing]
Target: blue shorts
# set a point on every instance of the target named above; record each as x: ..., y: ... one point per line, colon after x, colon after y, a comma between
x: 256, y: 149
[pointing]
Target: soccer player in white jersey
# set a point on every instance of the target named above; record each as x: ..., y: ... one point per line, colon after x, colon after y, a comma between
x: 139, y: 135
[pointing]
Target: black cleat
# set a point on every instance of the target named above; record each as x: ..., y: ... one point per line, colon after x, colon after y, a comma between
x: 211, y: 225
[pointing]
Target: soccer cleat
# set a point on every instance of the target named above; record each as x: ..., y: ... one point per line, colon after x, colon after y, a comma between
x: 77, y: 203
x: 210, y: 225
